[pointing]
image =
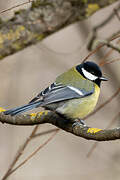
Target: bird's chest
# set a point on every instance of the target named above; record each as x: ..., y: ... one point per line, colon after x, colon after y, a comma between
x: 80, y: 108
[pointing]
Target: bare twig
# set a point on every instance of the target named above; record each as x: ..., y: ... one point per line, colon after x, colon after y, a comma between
x: 13, y: 7
x: 108, y: 44
x: 32, y: 154
x: 20, y: 152
x: 96, y: 143
x: 103, y: 59
x: 116, y: 13
x: 100, y: 46
x: 109, y: 61
x: 44, y: 133
x: 93, y: 35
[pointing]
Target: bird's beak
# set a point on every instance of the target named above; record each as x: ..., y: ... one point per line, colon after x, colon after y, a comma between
x: 103, y: 78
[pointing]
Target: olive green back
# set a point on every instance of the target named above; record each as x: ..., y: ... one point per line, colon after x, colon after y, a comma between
x: 74, y: 78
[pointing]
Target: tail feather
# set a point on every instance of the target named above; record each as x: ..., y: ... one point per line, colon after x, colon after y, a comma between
x: 22, y: 109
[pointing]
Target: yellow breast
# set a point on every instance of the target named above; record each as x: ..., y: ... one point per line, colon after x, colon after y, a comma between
x: 80, y: 108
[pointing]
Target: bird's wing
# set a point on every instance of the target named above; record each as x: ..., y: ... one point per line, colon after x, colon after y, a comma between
x: 58, y: 92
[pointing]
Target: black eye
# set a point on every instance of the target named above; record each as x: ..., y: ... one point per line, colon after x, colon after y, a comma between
x: 93, y: 72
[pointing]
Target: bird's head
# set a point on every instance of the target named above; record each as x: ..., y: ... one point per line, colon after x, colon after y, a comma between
x: 91, y: 71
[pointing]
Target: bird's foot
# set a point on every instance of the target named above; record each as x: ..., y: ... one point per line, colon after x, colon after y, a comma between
x: 78, y: 122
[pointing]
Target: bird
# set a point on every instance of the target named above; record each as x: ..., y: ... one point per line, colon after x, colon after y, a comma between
x: 73, y: 95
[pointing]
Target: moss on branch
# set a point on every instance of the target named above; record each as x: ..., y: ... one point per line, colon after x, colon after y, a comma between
x: 45, y: 17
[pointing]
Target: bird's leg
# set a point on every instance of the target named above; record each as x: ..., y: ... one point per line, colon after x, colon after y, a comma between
x: 78, y: 122
x: 65, y: 119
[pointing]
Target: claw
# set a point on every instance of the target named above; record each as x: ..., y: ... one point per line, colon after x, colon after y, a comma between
x: 78, y: 123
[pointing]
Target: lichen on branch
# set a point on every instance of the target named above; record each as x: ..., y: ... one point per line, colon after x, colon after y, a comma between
x: 69, y: 126
x: 43, y: 18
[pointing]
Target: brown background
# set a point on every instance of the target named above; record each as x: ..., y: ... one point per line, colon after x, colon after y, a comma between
x: 24, y: 74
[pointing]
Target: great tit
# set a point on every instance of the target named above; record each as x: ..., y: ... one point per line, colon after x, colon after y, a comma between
x: 73, y: 95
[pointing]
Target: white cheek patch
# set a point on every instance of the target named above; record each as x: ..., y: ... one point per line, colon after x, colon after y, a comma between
x: 76, y: 90
x: 88, y: 75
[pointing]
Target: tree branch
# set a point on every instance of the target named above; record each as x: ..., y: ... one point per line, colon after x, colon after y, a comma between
x: 45, y: 17
x: 69, y: 126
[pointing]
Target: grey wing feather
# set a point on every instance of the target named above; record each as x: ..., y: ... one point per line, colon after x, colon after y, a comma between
x: 57, y: 93
x: 49, y: 89
x: 64, y: 93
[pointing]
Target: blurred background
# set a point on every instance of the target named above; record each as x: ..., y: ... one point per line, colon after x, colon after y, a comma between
x: 24, y: 74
